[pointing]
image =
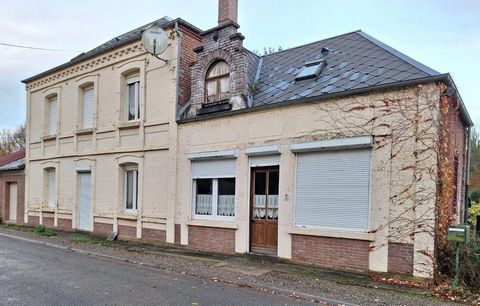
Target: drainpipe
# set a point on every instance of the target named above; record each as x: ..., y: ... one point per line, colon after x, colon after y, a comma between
x: 467, y: 173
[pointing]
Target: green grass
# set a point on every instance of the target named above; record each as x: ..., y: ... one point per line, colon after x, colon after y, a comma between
x: 81, y: 239
x: 41, y: 230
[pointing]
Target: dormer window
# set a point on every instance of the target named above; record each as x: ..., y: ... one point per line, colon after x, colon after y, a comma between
x: 311, y: 70
x: 217, y: 83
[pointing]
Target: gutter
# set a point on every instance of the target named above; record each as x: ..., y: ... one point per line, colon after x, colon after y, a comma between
x: 178, y: 67
x: 467, y: 173
x: 436, y: 78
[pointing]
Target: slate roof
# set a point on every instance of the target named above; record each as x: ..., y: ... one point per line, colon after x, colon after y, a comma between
x: 13, y: 161
x: 354, y: 61
x: 116, y: 42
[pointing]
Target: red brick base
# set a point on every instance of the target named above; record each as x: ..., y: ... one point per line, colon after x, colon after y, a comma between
x: 330, y: 252
x: 102, y: 229
x: 48, y: 222
x: 210, y: 239
x: 400, y: 258
x: 127, y: 232
x: 153, y: 234
x: 177, y: 233
x: 64, y: 224
x: 33, y: 220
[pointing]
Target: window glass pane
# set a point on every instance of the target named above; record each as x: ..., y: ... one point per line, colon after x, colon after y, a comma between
x: 272, y: 201
x: 129, y: 190
x: 132, y: 101
x: 211, y: 89
x: 225, y: 85
x: 203, y: 197
x: 260, y: 198
x: 226, y: 197
x: 273, y: 183
x: 217, y: 69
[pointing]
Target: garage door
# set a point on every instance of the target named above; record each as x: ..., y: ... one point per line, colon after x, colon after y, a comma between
x: 333, y: 189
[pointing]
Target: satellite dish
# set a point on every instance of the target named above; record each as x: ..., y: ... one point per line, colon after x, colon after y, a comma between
x: 155, y: 40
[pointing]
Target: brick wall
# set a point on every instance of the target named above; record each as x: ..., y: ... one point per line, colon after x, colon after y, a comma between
x: 48, y: 221
x: 33, y: 220
x: 64, y: 224
x: 5, y: 181
x: 177, y: 234
x: 153, y: 234
x: 227, y: 10
x: 102, y: 229
x: 210, y: 239
x: 400, y: 258
x: 190, y: 40
x: 125, y: 232
x: 330, y: 252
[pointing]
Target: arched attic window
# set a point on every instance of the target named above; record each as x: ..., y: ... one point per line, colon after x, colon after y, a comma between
x: 217, y: 83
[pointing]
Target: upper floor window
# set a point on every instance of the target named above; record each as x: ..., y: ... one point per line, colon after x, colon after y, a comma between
x: 217, y: 82
x: 132, y: 97
x: 87, y: 107
x: 52, y: 115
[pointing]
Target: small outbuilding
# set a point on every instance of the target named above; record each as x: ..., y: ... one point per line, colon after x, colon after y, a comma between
x: 12, y: 187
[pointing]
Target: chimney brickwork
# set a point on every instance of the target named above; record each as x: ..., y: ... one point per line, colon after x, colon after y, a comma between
x: 222, y: 43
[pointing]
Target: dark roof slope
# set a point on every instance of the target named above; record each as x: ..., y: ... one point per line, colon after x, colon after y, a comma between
x: 116, y: 42
x: 354, y: 61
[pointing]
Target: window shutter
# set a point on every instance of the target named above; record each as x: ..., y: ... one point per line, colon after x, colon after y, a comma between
x: 52, y: 116
x: 333, y: 189
x: 213, y: 168
x: 51, y: 188
x: 87, y: 108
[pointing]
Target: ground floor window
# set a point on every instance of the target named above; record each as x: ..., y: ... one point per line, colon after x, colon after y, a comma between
x: 214, y: 189
x: 131, y: 189
x: 332, y: 189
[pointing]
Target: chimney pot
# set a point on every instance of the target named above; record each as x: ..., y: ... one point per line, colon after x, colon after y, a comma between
x: 227, y: 11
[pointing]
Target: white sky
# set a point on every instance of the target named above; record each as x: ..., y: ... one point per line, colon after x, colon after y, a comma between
x: 442, y: 34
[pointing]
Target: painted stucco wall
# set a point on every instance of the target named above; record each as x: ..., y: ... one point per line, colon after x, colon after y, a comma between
x: 404, y: 127
x: 111, y: 143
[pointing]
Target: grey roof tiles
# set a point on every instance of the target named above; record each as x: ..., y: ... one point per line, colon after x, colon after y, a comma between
x: 354, y: 61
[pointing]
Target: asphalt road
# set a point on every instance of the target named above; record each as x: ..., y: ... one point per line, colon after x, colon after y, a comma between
x: 36, y: 274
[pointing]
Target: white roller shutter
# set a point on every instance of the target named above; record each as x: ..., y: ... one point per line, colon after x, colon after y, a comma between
x: 87, y: 119
x: 213, y: 168
x: 52, y: 197
x: 52, y: 116
x: 333, y: 189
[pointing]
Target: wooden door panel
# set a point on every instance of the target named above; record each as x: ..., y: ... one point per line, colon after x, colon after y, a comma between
x: 263, y: 210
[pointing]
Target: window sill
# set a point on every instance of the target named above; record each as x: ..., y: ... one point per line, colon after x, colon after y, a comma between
x: 213, y: 108
x: 48, y: 137
x: 129, y: 125
x: 213, y: 223
x: 84, y: 131
x: 47, y: 209
x: 128, y: 215
x: 327, y: 232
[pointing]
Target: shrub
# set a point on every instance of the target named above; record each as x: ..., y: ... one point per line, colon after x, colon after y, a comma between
x: 41, y: 230
x: 475, y: 196
x: 473, y: 212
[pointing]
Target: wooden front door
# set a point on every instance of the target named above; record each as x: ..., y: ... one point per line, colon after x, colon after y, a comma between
x: 264, y: 210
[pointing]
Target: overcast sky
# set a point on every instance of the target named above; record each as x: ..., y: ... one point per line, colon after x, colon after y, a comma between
x: 444, y: 35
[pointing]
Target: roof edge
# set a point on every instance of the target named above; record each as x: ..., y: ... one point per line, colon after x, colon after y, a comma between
x: 399, y: 54
x: 168, y: 24
x: 463, y: 108
x: 435, y: 78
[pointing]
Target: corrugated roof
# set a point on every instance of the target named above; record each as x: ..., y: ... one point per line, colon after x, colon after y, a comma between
x: 354, y: 61
x: 13, y: 161
x: 15, y: 165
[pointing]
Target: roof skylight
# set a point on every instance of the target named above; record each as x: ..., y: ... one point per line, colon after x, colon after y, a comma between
x: 311, y: 70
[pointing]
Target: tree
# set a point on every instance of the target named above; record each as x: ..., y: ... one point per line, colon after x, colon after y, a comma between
x: 475, y: 161
x: 267, y: 51
x: 12, y: 140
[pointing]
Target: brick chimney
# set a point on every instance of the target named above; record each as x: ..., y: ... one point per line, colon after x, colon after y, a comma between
x: 227, y: 11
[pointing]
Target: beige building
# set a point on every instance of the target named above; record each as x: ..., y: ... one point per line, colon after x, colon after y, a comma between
x: 342, y: 153
x: 102, y: 134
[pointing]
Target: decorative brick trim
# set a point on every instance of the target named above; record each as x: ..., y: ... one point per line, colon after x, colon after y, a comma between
x: 33, y: 220
x: 400, y: 258
x: 177, y: 233
x: 64, y: 224
x: 210, y: 239
x: 48, y: 222
x: 331, y: 252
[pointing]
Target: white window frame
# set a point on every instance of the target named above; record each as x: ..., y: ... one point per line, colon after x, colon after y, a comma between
x: 52, y: 126
x: 135, y: 189
x: 134, y: 79
x: 214, y: 215
x: 84, y: 89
